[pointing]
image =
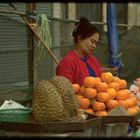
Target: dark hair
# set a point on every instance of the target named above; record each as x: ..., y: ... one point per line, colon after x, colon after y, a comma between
x: 84, y: 28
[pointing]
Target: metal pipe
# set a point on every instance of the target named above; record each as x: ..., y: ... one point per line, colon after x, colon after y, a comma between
x: 58, y: 19
x: 12, y: 12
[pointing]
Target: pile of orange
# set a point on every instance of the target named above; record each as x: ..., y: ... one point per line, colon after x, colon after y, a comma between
x: 99, y: 95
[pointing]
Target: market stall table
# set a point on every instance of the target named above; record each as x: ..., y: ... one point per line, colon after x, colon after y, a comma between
x: 107, y: 126
x: 53, y: 129
x: 115, y: 126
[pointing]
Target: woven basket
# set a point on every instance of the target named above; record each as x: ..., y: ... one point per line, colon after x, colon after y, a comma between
x: 15, y: 115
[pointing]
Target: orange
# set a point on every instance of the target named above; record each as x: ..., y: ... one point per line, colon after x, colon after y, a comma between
x: 123, y: 94
x: 132, y: 111
x: 137, y: 108
x: 123, y: 103
x: 98, y: 106
x: 112, y: 93
x: 84, y: 103
x: 89, y: 81
x: 116, y: 78
x: 102, y: 97
x: 133, y: 98
x: 101, y: 113
x: 82, y: 90
x: 114, y: 85
x: 107, y: 77
x: 101, y: 87
x: 112, y: 104
x: 122, y: 83
x: 76, y: 87
x: 90, y: 93
x: 130, y: 102
x: 97, y: 79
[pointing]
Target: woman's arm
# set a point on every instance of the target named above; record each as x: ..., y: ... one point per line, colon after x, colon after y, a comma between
x: 110, y: 69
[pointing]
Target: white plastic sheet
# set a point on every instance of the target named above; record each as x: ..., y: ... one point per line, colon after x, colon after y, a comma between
x: 10, y: 105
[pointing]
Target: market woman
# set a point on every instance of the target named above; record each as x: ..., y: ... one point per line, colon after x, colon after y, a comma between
x: 80, y: 62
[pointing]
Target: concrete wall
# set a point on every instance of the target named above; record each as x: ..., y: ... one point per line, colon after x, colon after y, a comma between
x: 134, y: 14
x: 72, y: 11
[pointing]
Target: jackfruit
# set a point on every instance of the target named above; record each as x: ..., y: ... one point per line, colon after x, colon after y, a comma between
x: 69, y: 98
x: 54, y: 100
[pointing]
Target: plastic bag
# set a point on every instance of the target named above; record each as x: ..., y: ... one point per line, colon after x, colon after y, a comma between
x: 10, y: 105
x: 136, y: 134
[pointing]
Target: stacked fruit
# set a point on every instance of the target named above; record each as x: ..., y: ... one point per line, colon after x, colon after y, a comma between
x: 99, y: 95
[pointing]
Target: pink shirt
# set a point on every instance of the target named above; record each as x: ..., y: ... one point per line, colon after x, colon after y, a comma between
x: 74, y: 69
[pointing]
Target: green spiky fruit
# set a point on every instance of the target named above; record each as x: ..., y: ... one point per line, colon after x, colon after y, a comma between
x: 54, y: 100
x: 69, y: 98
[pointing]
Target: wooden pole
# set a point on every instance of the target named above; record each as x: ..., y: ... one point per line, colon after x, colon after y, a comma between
x: 30, y: 45
x: 32, y: 29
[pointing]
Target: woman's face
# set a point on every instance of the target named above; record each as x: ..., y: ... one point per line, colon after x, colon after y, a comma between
x: 88, y: 45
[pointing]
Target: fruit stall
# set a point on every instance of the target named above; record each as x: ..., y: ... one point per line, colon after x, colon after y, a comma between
x: 53, y: 129
x: 101, y: 107
x: 107, y: 126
